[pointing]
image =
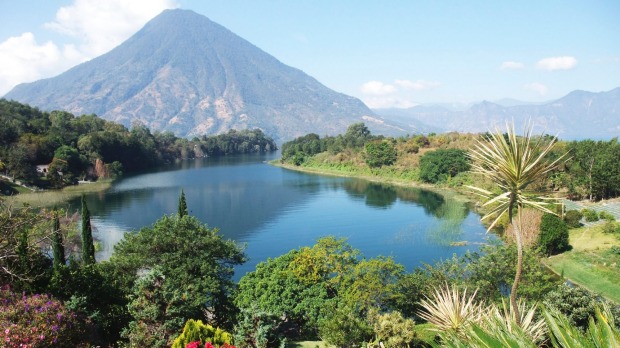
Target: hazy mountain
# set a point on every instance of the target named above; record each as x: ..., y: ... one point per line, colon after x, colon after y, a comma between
x: 578, y: 115
x: 187, y: 74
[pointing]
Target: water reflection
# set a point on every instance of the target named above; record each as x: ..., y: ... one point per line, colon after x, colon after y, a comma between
x: 274, y: 210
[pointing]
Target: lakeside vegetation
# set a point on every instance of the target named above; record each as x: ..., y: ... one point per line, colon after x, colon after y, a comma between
x: 159, y: 290
x: 56, y: 149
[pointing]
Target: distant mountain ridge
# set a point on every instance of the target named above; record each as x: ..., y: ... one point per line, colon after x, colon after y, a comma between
x: 184, y: 73
x: 578, y: 115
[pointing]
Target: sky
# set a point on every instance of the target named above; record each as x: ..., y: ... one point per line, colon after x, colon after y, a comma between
x: 398, y: 53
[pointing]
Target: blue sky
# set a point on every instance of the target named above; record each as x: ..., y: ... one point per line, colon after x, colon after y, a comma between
x: 387, y: 53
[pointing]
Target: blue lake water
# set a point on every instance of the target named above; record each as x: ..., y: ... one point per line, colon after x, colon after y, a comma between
x: 272, y: 210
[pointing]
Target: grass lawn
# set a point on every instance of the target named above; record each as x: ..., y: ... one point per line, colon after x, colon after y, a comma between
x: 57, y: 197
x: 592, y: 263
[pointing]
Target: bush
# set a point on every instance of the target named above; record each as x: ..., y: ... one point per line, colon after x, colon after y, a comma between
x: 442, y: 164
x: 378, y: 154
x: 590, y: 215
x: 611, y: 227
x: 197, y: 331
x: 553, y: 237
x: 606, y: 216
x: 37, y: 321
x: 572, y: 218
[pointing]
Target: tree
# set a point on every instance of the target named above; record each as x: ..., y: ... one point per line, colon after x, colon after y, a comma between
x: 88, y: 246
x: 380, y: 153
x: 439, y: 165
x: 182, y: 205
x: 553, y: 237
x: 58, y: 249
x: 195, y: 260
x: 512, y: 163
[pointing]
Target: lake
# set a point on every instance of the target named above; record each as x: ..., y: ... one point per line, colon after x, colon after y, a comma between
x: 273, y: 210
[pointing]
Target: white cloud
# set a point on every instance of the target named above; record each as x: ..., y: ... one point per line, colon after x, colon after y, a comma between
x: 511, y: 65
x: 537, y: 87
x: 418, y: 85
x: 102, y: 25
x: 387, y: 102
x: 399, y: 94
x: 94, y: 27
x: 377, y: 88
x: 557, y: 63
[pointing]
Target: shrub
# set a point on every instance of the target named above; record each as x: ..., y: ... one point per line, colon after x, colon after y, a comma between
x: 37, y: 321
x: 611, y: 227
x: 197, y: 331
x: 590, y: 215
x: 381, y: 153
x: 603, y: 215
x: 442, y: 164
x: 572, y: 218
x: 553, y: 235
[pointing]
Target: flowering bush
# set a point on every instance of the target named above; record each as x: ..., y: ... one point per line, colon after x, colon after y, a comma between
x: 196, y: 344
x: 36, y: 321
x: 195, y: 332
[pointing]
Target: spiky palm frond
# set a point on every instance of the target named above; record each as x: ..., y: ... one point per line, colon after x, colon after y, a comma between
x: 535, y: 330
x: 452, y: 311
x: 512, y: 164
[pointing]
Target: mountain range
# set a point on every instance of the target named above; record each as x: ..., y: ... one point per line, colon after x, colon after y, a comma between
x: 578, y: 115
x: 186, y: 74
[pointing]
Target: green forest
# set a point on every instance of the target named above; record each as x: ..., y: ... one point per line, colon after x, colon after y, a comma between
x: 89, y: 148
x: 171, y: 283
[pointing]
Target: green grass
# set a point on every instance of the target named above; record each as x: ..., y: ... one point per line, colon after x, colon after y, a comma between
x: 591, y: 264
x: 57, y: 197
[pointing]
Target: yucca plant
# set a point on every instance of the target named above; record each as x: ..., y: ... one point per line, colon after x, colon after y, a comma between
x: 535, y: 330
x: 602, y: 331
x: 451, y: 311
x: 513, y: 163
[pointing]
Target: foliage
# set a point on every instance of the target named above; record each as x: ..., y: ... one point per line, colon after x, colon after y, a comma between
x: 513, y: 164
x: 590, y: 215
x: 196, y: 262
x: 37, y: 321
x: 182, y: 210
x: 380, y: 153
x: 393, y: 330
x: 258, y: 329
x: 92, y: 291
x: 603, y: 215
x: 452, y: 311
x: 572, y: 218
x: 58, y: 249
x: 442, y: 164
x: 22, y: 262
x: 553, y: 235
x: 197, y: 331
x: 611, y: 227
x: 602, y: 330
x: 73, y: 145
x: 576, y: 303
x: 88, y: 246
x: 342, y: 326
x: 593, y: 170
x: 153, y: 311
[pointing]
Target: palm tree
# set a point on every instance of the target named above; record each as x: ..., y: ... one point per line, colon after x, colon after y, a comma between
x: 512, y: 163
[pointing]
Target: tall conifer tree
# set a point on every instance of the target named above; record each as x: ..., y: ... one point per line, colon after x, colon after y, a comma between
x: 58, y: 249
x: 182, y: 205
x: 88, y: 247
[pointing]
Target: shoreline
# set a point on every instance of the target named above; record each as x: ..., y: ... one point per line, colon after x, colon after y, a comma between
x: 50, y: 198
x: 452, y: 193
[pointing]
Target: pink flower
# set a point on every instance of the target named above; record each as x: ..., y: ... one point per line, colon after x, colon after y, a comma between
x: 208, y: 345
x: 195, y: 344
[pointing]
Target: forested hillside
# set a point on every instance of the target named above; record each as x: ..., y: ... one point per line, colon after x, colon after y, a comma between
x: 591, y: 171
x: 88, y: 147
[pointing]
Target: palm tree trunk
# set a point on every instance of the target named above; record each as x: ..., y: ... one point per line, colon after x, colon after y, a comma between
x: 515, y: 284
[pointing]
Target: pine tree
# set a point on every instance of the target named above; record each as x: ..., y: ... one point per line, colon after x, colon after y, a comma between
x: 58, y: 249
x: 88, y: 247
x: 182, y: 205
